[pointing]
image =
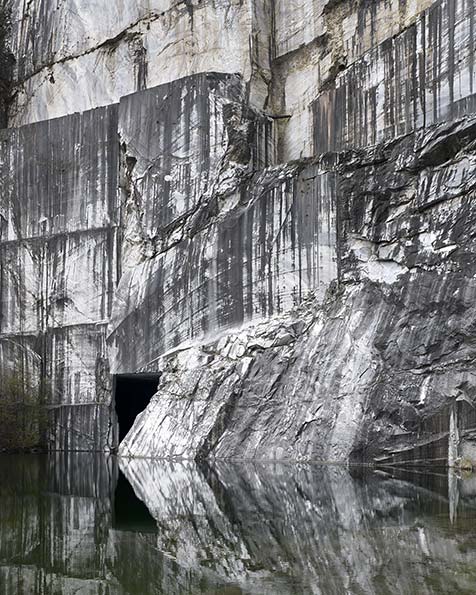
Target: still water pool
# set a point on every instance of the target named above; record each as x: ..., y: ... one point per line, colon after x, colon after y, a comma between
x: 87, y: 525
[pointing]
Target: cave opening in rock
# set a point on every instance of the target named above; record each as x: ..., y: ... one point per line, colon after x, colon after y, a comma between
x: 132, y: 394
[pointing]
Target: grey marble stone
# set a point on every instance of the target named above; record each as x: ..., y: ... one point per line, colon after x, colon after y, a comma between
x: 420, y: 77
x: 388, y: 351
x: 264, y: 256
x: 59, y: 237
x: 131, y: 46
x: 321, y: 308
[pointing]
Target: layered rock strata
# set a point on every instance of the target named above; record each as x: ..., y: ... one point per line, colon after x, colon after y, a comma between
x: 270, y: 207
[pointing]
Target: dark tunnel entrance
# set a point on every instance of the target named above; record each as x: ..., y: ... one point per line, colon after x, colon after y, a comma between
x: 132, y: 394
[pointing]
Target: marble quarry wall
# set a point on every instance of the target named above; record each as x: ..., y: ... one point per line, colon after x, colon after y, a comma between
x: 111, y: 49
x: 419, y: 77
x: 59, y: 243
x: 275, y: 248
x: 266, y: 204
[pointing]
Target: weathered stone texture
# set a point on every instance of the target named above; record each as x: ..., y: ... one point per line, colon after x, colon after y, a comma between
x: 58, y: 267
x: 131, y: 46
x: 182, y: 144
x: 371, y: 65
x: 260, y: 259
x: 361, y: 24
x: 321, y: 308
x: 422, y: 76
x: 60, y: 176
x: 364, y: 374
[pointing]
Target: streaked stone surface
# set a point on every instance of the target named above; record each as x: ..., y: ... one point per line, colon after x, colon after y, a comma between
x: 423, y: 76
x: 317, y: 308
x: 320, y: 43
x: 132, y: 46
x: 59, y: 241
x: 275, y: 247
x: 373, y: 372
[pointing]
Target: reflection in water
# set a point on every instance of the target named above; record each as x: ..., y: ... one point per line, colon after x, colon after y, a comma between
x: 73, y: 524
x: 130, y: 513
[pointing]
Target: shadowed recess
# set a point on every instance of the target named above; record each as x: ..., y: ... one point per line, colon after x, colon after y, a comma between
x: 132, y: 394
x: 130, y: 513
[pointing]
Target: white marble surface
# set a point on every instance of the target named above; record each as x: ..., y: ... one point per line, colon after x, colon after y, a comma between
x: 131, y: 46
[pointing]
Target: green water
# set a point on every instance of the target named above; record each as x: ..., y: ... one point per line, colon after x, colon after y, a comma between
x: 83, y: 524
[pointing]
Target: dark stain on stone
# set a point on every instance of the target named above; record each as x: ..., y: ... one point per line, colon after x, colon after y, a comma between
x: 7, y: 62
x: 347, y: 114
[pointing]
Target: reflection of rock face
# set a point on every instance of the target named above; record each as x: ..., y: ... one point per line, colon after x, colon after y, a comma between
x: 320, y: 530
x: 55, y: 516
x: 258, y: 528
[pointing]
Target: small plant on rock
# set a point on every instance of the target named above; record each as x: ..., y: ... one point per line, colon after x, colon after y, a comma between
x: 22, y: 412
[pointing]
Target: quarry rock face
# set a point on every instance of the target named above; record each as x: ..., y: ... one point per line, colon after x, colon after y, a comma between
x: 269, y: 205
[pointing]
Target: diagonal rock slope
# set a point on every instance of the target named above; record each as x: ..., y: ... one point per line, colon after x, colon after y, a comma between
x: 372, y: 373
